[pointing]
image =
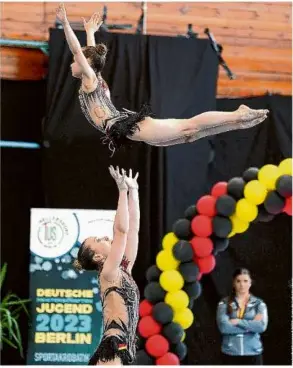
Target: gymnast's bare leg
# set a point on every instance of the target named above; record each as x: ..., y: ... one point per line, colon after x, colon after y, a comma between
x: 168, y: 132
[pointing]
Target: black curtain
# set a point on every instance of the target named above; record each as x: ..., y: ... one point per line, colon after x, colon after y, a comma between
x: 265, y: 248
x: 183, y: 84
x: 22, y: 110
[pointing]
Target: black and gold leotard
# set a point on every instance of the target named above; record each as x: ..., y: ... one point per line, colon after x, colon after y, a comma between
x: 120, y: 301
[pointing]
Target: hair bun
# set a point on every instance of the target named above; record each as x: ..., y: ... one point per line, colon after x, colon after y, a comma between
x: 101, y: 49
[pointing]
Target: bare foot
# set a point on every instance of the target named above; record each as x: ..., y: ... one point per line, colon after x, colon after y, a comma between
x: 250, y: 117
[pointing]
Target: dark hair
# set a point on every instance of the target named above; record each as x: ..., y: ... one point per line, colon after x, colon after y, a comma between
x: 236, y: 273
x: 85, y: 259
x: 241, y: 271
x: 97, y: 55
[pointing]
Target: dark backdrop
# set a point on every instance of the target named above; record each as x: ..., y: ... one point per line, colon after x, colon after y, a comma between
x: 74, y: 167
x: 22, y: 110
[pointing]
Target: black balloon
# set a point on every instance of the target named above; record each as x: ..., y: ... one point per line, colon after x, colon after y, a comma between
x: 182, y: 251
x: 222, y: 226
x: 190, y: 212
x: 163, y: 313
x: 191, y: 304
x: 173, y: 332
x: 182, y: 229
x: 263, y: 215
x: 274, y: 203
x: 235, y: 187
x: 153, y: 273
x: 192, y: 289
x: 142, y: 358
x: 284, y: 186
x: 189, y: 271
x: 220, y: 244
x: 179, y: 349
x: 154, y: 293
x: 225, y: 205
x: 250, y: 174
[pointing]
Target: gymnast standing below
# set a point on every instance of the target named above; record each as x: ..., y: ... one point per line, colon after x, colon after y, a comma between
x: 118, y: 126
x: 113, y: 261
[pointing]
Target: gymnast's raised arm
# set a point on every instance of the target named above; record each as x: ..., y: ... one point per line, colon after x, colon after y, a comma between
x: 91, y: 27
x: 74, y: 45
x: 134, y: 219
x: 121, y: 226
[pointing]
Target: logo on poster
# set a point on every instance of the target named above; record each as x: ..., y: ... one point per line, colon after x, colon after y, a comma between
x: 54, y: 236
x: 51, y: 232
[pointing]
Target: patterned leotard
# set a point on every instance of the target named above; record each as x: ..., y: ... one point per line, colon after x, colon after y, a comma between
x: 120, y: 301
x: 100, y: 112
x: 97, y: 106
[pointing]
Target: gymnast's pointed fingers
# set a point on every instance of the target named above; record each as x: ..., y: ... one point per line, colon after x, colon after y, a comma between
x: 118, y: 170
x: 97, y: 17
x: 111, y: 170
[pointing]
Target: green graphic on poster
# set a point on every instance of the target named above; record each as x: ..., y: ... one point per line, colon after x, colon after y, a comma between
x: 66, y: 319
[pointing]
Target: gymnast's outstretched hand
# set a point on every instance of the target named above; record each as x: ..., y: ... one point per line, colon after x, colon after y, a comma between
x: 120, y: 178
x: 61, y: 13
x: 130, y: 181
x: 94, y: 24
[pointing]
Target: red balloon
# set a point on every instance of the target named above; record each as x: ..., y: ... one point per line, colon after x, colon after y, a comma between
x: 145, y: 308
x: 168, y: 359
x: 288, y: 206
x: 202, y: 247
x: 206, y: 264
x: 157, y: 346
x: 147, y: 327
x: 201, y: 225
x: 206, y: 205
x: 219, y: 189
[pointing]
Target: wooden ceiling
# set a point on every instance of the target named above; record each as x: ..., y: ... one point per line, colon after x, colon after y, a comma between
x: 256, y: 37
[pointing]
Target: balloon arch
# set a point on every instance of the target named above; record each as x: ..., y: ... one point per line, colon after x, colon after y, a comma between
x: 188, y: 252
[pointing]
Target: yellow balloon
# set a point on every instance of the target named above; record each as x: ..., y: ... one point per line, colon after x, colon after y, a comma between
x: 268, y: 176
x: 285, y: 167
x: 238, y: 226
x: 255, y: 192
x: 245, y: 210
x: 166, y: 261
x: 183, y: 336
x: 184, y: 317
x: 177, y: 299
x: 231, y: 234
x: 169, y: 241
x: 171, y: 280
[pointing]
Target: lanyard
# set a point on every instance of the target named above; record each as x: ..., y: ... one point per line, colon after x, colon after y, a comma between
x: 241, y: 311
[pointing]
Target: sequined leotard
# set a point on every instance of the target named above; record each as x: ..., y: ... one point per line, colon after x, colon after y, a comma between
x: 120, y: 301
x: 103, y: 115
x: 97, y: 106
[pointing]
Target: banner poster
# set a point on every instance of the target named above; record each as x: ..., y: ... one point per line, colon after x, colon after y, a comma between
x: 65, y: 319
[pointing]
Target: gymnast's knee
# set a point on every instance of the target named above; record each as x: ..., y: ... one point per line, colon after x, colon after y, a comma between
x: 189, y: 128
